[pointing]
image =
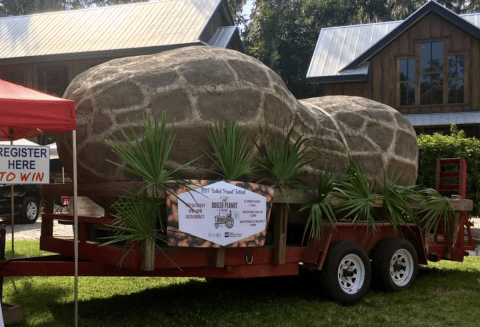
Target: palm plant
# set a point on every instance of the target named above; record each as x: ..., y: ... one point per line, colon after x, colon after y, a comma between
x: 139, y: 213
x: 234, y: 156
x: 146, y: 156
x: 356, y: 195
x: 435, y: 209
x: 356, y: 202
x: 321, y: 209
x: 398, y: 202
x: 401, y: 204
x: 285, y: 161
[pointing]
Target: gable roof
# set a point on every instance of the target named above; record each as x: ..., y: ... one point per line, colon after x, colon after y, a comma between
x: 147, y: 25
x: 342, y: 53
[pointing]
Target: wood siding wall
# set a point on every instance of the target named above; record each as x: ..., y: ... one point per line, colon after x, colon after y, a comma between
x: 218, y: 19
x: 383, y: 79
x: 30, y: 71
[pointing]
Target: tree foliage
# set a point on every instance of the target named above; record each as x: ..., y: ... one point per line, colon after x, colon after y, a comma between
x: 236, y: 7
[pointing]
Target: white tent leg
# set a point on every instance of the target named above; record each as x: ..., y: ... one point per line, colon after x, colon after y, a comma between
x: 12, y: 203
x: 75, y: 221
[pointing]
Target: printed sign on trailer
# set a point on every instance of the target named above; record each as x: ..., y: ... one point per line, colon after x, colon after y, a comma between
x: 20, y: 164
x: 222, y: 213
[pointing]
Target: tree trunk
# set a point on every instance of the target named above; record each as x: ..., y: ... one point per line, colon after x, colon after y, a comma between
x: 273, y: 45
x: 148, y: 255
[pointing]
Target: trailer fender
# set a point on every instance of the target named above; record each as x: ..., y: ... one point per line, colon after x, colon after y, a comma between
x: 314, y: 255
x: 415, y: 235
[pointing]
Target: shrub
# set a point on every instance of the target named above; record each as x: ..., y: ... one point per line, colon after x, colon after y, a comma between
x: 456, y: 145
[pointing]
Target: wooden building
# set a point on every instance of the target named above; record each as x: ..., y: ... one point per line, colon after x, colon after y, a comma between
x: 426, y: 66
x: 46, y: 51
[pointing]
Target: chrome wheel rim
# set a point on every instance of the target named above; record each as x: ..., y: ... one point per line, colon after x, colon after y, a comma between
x: 401, y: 267
x: 31, y: 210
x: 351, y: 274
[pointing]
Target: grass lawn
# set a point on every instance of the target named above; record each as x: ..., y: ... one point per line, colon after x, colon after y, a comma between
x: 445, y: 294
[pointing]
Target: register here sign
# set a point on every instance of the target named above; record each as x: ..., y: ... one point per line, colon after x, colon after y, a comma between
x: 24, y: 164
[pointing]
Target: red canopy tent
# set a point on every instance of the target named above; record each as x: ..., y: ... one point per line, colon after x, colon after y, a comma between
x: 26, y: 113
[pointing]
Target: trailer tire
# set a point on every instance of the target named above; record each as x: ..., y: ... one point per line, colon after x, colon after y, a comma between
x: 395, y: 264
x: 346, y: 273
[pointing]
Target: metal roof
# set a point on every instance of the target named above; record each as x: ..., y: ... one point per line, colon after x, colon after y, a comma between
x: 342, y: 52
x: 444, y: 118
x: 338, y: 46
x: 132, y: 26
x: 223, y: 36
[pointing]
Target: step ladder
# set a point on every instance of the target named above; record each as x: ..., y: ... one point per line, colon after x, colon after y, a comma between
x: 460, y: 175
x: 457, y: 187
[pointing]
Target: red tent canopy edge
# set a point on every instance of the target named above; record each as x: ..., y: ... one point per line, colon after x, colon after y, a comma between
x: 27, y: 113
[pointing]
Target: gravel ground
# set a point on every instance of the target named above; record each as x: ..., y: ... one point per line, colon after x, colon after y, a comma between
x: 476, y: 235
x: 32, y: 231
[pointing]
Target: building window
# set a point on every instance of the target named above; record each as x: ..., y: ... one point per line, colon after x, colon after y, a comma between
x: 431, y: 73
x: 407, y: 82
x: 53, y: 79
x: 433, y: 77
x: 456, y: 71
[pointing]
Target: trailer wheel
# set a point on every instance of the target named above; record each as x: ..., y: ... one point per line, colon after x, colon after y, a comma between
x: 346, y: 273
x: 395, y: 264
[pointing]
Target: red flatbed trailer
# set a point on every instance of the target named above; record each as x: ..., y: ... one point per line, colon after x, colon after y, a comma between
x: 342, y: 254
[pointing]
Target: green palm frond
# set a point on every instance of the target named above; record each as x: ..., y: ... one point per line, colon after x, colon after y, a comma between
x: 356, y: 196
x: 145, y: 156
x: 285, y: 161
x: 321, y: 209
x: 435, y: 208
x: 137, y: 215
x: 398, y: 203
x: 234, y: 156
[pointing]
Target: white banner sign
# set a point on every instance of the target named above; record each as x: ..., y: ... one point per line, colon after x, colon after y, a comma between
x: 222, y: 213
x: 24, y: 164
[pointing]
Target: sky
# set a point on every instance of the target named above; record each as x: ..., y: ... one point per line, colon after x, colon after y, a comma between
x: 247, y: 9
